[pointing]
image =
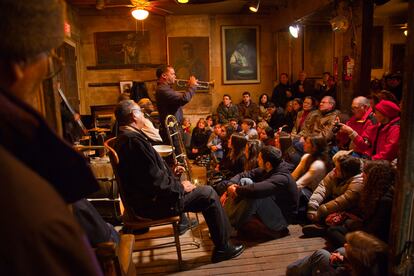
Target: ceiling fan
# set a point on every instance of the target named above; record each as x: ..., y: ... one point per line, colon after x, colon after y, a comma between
x: 140, y: 8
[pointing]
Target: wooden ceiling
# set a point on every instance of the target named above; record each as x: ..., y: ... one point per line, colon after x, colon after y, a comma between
x: 194, y: 6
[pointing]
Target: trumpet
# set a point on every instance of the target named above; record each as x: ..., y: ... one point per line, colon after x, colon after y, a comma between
x: 201, y: 84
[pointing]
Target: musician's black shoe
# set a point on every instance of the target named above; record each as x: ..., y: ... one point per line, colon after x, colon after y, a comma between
x: 229, y: 252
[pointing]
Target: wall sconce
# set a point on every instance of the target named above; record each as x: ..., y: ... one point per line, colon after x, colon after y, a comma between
x: 405, y: 32
x: 294, y: 30
x: 254, y: 5
x: 139, y: 13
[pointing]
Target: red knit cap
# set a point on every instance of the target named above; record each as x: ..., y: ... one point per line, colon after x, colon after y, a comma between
x: 388, y: 109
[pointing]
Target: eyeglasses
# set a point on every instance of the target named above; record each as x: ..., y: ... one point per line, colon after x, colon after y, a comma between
x: 55, y: 65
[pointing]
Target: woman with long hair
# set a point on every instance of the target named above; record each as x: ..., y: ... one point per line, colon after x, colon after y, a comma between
x: 314, y: 164
x: 373, y: 214
x: 363, y: 254
x: 233, y: 163
x: 252, y: 150
x: 199, y: 138
x: 263, y: 113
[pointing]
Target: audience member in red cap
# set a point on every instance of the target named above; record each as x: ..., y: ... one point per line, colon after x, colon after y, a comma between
x: 379, y: 141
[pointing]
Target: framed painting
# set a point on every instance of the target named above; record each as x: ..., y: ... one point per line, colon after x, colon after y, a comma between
x: 240, y: 54
x: 189, y: 56
x: 122, y: 48
x: 125, y: 86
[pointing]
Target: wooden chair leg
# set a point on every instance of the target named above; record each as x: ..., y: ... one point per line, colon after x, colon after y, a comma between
x: 177, y: 244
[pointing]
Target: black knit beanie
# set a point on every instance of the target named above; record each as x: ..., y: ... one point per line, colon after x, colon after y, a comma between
x: 28, y: 28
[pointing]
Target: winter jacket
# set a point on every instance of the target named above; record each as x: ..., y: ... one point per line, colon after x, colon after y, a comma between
x: 359, y: 125
x: 226, y: 113
x: 248, y: 112
x: 381, y: 146
x: 277, y: 184
x: 336, y: 195
x: 324, y: 124
x: 307, y: 127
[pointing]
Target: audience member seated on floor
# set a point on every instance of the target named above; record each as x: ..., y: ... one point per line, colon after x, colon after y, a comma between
x: 210, y: 122
x: 313, y: 166
x: 40, y: 173
x: 381, y: 140
x: 247, y: 108
x: 199, y: 139
x: 253, y: 148
x: 267, y: 136
x: 187, y: 132
x: 267, y: 194
x: 362, y: 118
x: 248, y: 130
x: 215, y: 143
x: 263, y: 102
x: 153, y: 191
x: 277, y: 116
x: 305, y: 119
x: 235, y: 124
x: 97, y: 230
x: 375, y: 204
x: 338, y: 191
x: 227, y: 110
x: 363, y: 254
x: 291, y: 112
x: 233, y: 163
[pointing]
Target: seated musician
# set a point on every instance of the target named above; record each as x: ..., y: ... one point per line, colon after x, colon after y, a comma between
x: 154, y: 192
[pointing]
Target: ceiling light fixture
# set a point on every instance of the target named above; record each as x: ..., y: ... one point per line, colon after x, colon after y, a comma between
x: 254, y: 5
x: 139, y: 13
x: 294, y: 30
x: 182, y: 1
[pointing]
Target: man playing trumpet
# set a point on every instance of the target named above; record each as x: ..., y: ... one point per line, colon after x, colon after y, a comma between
x: 169, y: 101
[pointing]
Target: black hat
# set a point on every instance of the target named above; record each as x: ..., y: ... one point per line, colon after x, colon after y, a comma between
x: 29, y: 28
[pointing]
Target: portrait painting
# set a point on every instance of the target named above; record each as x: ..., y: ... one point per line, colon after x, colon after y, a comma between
x: 189, y: 56
x: 121, y: 48
x: 240, y: 54
x: 125, y: 86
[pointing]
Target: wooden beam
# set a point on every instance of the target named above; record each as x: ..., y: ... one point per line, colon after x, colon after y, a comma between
x: 402, y: 227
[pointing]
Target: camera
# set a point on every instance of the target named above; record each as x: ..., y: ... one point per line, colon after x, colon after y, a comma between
x: 336, y: 128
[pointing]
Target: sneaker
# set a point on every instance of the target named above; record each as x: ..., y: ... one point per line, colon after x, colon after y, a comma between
x: 184, y: 227
x: 313, y: 230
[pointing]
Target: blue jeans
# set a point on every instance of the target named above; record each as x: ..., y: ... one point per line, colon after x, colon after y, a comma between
x: 315, y: 264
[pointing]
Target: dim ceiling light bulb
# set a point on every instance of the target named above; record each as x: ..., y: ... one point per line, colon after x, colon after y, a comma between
x: 294, y: 30
x: 139, y: 14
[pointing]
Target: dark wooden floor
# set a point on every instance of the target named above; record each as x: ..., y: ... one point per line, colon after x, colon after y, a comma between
x: 266, y: 258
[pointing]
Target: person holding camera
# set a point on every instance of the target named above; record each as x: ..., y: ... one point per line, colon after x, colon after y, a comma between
x: 362, y: 118
x: 380, y: 140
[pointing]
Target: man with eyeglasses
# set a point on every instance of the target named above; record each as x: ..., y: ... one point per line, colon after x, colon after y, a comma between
x: 36, y: 166
x: 362, y: 118
x: 153, y: 191
x: 327, y: 117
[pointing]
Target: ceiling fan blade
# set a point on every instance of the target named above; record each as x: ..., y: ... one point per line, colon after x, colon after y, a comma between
x: 160, y: 9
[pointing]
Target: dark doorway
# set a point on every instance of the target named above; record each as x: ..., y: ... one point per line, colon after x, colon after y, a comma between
x: 397, y: 57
